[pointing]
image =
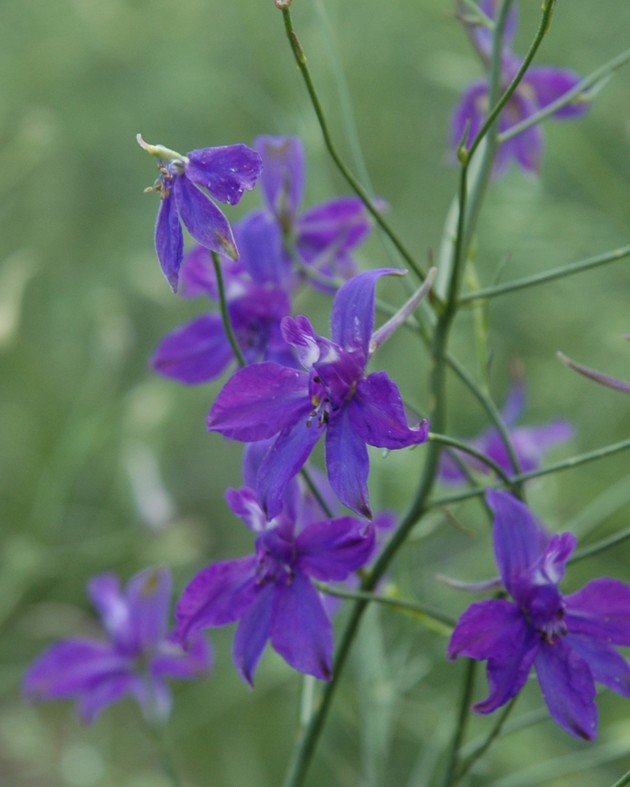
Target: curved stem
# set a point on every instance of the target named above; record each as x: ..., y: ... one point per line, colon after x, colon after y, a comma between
x: 467, y: 764
x: 462, y: 718
x: 440, y: 438
x: 225, y: 315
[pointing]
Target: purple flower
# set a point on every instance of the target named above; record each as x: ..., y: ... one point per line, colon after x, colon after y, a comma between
x: 257, y: 301
x: 333, y: 395
x: 324, y: 235
x: 270, y: 592
x: 539, y: 88
x: 136, y: 660
x: 569, y: 640
x: 225, y: 172
x: 530, y: 443
x: 598, y: 377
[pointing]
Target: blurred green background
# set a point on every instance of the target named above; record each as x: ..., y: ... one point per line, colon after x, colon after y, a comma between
x: 106, y: 467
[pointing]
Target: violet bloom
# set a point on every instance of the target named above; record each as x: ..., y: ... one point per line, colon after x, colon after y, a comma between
x: 324, y: 235
x: 569, y: 640
x: 136, y: 660
x: 333, y: 396
x: 540, y: 87
x: 257, y: 300
x: 530, y: 443
x: 270, y: 593
x: 225, y: 172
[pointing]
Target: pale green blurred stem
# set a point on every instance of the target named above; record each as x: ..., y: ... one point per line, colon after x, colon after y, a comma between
x: 158, y: 733
x: 494, y: 733
x: 300, y: 59
x: 225, y: 316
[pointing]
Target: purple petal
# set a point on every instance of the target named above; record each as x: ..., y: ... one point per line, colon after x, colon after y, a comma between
x: 526, y: 147
x: 568, y: 688
x: 197, y: 276
x: 300, y: 334
x: 284, y: 459
x: 105, y: 693
x: 172, y: 661
x: 149, y: 598
x: 300, y: 629
x: 226, y: 172
x: 336, y: 226
x: 488, y: 629
x: 194, y: 353
x: 260, y: 245
x: 605, y: 664
x: 507, y: 678
x: 514, y: 403
x: 471, y: 109
x: 600, y: 610
x: 347, y: 463
x: 549, y: 84
x: 259, y: 401
x: 205, y: 222
x: 519, y: 540
x: 244, y: 504
x: 169, y: 240
x: 377, y: 413
x: 70, y: 667
x: 282, y: 179
x: 252, y: 634
x: 530, y: 444
x: 108, y: 599
x: 219, y: 594
x: 333, y: 549
x: 154, y: 697
x: 352, y: 317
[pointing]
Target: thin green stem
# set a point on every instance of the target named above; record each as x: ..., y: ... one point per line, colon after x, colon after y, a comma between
x: 300, y: 59
x: 473, y: 452
x: 494, y: 733
x: 601, y: 546
x: 316, y: 493
x: 566, y: 98
x: 567, y: 464
x: 625, y: 779
x: 462, y: 718
x: 545, y: 276
x: 225, y: 316
x: 401, y: 604
x: 158, y: 733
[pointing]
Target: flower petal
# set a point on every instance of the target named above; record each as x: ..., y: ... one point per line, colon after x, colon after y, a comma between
x: 333, y: 549
x: 194, y: 353
x: 259, y: 401
x: 347, y: 463
x: 470, y: 111
x: 108, y: 599
x: 283, y: 461
x: 104, y: 693
x: 519, y: 540
x: 260, y: 245
x: 252, y: 634
x: 352, y: 317
x: 550, y: 84
x: 600, y: 610
x: 149, y: 599
x: 205, y: 222
x: 219, y: 594
x: 226, y: 172
x: 282, y: 179
x: 172, y: 661
x: 568, y: 688
x: 300, y: 629
x: 606, y: 665
x: 378, y: 415
x: 337, y: 225
x: 244, y: 504
x: 487, y: 629
x: 169, y: 240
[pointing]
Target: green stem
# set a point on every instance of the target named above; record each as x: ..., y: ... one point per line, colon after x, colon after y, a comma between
x: 225, y: 316
x: 391, y: 601
x: 300, y: 59
x: 625, y: 779
x: 601, y: 546
x: 545, y: 276
x: 462, y: 718
x: 494, y: 733
x: 440, y: 438
x: 158, y: 733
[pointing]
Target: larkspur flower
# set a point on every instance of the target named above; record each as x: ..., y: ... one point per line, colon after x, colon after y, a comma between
x: 324, y: 235
x: 257, y: 300
x: 136, y: 660
x: 540, y: 87
x: 333, y: 395
x: 570, y: 640
x: 224, y: 172
x: 270, y: 593
x: 530, y: 443
x: 593, y: 374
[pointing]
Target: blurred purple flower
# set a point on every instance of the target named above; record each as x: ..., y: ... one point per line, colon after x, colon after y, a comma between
x: 570, y: 640
x: 324, y: 235
x: 257, y: 300
x: 225, y: 172
x: 540, y: 87
x: 270, y: 592
x: 530, y: 443
x: 136, y: 660
x: 333, y: 395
